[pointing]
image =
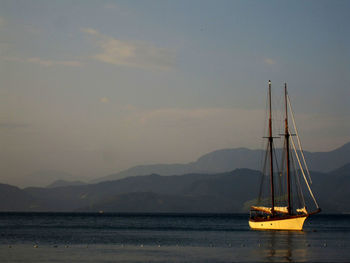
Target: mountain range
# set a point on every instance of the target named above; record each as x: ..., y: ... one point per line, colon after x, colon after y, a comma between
x: 214, y: 162
x: 230, y: 159
x: 190, y: 193
x: 223, y: 181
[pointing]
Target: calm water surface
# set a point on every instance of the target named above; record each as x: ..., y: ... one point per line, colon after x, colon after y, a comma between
x: 81, y: 237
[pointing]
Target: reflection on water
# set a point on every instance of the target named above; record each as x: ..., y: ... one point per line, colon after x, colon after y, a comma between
x: 282, y: 246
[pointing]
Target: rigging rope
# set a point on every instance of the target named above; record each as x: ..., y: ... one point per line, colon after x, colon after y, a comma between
x: 301, y: 199
x: 302, y: 171
x: 298, y: 139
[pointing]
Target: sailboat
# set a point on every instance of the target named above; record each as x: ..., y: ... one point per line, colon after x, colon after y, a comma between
x: 284, y: 207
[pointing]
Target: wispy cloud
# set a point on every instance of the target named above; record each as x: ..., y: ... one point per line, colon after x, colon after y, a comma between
x: 104, y: 100
x: 90, y: 31
x: 269, y: 61
x: 134, y: 54
x: 46, y: 62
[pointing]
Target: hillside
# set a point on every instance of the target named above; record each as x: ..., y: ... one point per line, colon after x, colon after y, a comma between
x: 230, y: 159
x: 205, y: 193
x: 14, y: 199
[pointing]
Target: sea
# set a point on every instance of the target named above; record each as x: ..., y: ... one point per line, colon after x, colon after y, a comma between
x: 131, y: 238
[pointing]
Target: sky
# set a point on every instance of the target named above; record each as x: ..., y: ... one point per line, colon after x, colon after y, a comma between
x: 95, y: 87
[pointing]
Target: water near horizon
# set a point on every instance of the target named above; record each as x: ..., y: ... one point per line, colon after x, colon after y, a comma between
x: 84, y: 237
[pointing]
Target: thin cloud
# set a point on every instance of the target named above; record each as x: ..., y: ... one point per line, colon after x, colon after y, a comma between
x: 49, y: 63
x: 104, y: 100
x: 90, y: 31
x: 269, y: 61
x: 133, y: 54
x: 45, y: 62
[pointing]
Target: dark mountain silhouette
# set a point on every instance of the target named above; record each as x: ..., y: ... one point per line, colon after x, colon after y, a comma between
x: 14, y: 199
x: 335, y: 189
x: 211, y: 193
x: 88, y: 197
x: 329, y: 161
x: 230, y: 159
x: 187, y: 193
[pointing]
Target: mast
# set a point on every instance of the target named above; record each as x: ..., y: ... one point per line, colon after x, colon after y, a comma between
x: 271, y: 153
x: 286, y: 136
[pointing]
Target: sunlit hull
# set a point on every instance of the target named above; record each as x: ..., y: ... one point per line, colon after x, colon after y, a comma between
x: 287, y: 223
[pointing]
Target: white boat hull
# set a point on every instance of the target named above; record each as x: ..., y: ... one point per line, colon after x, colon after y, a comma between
x: 292, y: 223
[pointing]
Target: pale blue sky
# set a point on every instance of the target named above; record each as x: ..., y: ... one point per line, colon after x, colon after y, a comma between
x: 94, y: 87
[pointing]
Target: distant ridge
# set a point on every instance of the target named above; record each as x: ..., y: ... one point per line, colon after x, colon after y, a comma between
x: 329, y: 161
x: 62, y: 183
x: 14, y: 199
x: 215, y: 162
x: 190, y: 193
x: 43, y: 178
x: 230, y: 159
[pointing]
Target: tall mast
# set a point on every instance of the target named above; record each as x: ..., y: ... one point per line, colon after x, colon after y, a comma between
x: 271, y: 149
x: 286, y: 136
